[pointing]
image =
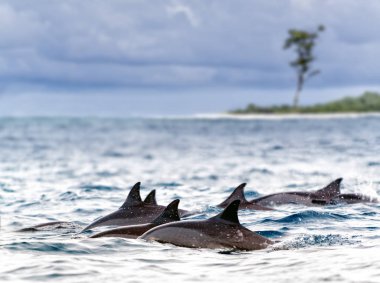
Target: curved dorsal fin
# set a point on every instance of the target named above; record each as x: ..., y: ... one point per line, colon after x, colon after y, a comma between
x: 230, y: 213
x: 151, y: 198
x: 170, y: 214
x: 331, y: 190
x: 134, y: 197
x: 237, y: 194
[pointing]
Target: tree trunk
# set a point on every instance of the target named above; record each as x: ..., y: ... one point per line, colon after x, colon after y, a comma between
x: 298, y: 91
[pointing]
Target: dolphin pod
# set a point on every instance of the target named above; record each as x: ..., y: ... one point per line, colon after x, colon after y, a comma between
x: 321, y: 196
x: 133, y: 211
x: 170, y: 214
x: 297, y: 197
x: 328, y: 195
x: 219, y: 232
x: 152, y: 222
x: 149, y: 200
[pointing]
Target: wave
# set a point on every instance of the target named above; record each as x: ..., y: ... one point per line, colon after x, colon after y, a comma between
x: 91, y: 188
x: 305, y: 241
x: 307, y: 216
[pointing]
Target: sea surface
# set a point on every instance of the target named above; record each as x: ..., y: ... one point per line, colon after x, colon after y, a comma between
x: 78, y: 169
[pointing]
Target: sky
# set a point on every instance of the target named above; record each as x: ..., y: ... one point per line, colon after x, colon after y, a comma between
x: 171, y: 57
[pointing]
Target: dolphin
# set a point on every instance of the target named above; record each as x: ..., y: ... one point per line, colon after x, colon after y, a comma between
x: 238, y: 194
x: 48, y: 226
x: 133, y: 211
x: 222, y: 231
x: 150, y: 199
x: 319, y: 197
x: 170, y: 214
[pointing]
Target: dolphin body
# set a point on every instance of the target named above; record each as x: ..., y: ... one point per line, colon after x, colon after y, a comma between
x: 48, y: 226
x: 238, y: 194
x: 53, y: 225
x: 133, y: 211
x: 222, y: 231
x: 170, y: 214
x: 319, y: 197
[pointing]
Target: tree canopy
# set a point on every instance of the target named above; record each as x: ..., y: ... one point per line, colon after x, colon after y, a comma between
x: 303, y: 43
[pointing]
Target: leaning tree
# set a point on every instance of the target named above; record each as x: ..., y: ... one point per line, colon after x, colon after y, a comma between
x: 303, y: 43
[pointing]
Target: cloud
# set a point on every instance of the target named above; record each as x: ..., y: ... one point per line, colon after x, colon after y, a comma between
x: 181, y: 9
x: 192, y: 43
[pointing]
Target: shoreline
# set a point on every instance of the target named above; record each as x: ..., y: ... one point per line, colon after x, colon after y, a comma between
x: 205, y: 116
x: 291, y: 116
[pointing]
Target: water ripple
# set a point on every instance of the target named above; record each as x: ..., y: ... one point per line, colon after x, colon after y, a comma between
x: 307, y: 216
x: 78, y: 170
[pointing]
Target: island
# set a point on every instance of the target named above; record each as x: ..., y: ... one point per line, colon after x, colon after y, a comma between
x: 367, y: 102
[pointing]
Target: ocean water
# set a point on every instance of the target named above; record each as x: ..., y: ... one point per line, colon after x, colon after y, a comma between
x: 78, y: 169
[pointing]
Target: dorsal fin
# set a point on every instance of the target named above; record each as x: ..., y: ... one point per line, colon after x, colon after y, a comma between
x: 134, y: 197
x: 331, y: 190
x: 237, y: 194
x: 230, y: 213
x: 170, y: 214
x: 151, y: 198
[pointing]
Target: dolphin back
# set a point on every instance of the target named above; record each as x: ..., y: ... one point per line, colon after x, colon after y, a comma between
x: 329, y: 192
x: 222, y: 231
x: 237, y: 194
x: 133, y: 197
x: 170, y: 214
x: 151, y: 198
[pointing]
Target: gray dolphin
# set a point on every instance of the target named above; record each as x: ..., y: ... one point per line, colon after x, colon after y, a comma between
x: 170, y: 214
x: 238, y: 194
x: 133, y: 211
x: 219, y: 232
x: 319, y: 197
x: 150, y: 199
x: 49, y: 226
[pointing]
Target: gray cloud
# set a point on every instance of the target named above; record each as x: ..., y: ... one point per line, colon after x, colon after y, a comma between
x: 141, y: 43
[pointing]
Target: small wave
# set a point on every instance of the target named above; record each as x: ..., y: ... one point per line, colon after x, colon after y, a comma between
x: 91, y: 188
x: 264, y: 171
x: 48, y: 247
x: 169, y: 184
x: 373, y: 164
x: 276, y: 147
x: 306, y: 216
x: 29, y: 204
x: 112, y: 153
x: 7, y: 190
x: 271, y: 234
x: 89, y: 211
x: 251, y: 194
x: 148, y: 157
x: 106, y: 174
x: 305, y: 241
x: 62, y: 226
x: 68, y: 196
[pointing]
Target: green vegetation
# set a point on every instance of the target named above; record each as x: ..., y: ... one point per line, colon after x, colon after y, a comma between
x: 368, y: 102
x: 303, y: 43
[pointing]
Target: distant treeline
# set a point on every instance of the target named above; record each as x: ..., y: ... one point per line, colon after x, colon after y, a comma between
x: 367, y: 102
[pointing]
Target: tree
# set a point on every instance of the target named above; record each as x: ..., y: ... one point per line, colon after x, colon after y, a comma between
x: 304, y: 42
